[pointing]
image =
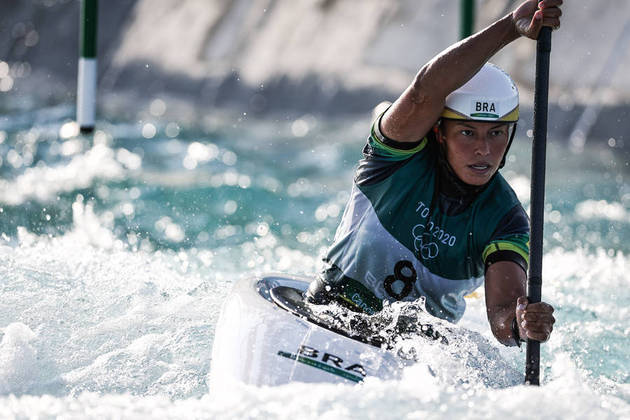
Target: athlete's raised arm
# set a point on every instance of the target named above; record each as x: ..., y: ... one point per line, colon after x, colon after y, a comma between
x: 415, y: 112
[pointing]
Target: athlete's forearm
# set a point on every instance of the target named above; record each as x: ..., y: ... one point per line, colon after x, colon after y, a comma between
x: 419, y: 107
x: 504, y: 284
x: 501, y: 320
x: 457, y: 64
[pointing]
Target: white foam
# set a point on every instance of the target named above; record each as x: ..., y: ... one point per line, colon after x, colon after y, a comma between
x: 43, y: 183
x: 602, y: 209
x: 18, y: 358
x: 408, y: 398
x: 139, y: 324
x: 88, y: 228
x: 586, y: 277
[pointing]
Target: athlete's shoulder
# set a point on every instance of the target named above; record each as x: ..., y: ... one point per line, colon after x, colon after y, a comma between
x: 379, y: 145
x: 384, y: 157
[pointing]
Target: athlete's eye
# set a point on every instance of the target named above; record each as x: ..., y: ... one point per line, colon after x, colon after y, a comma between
x: 497, y: 133
x: 467, y: 133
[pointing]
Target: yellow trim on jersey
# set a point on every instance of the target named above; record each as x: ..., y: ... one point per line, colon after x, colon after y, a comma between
x: 504, y: 246
x: 377, y: 136
x: 401, y: 152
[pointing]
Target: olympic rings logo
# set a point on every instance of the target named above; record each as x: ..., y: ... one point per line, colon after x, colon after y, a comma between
x: 422, y: 242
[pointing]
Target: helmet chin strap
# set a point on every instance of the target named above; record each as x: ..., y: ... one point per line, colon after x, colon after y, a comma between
x: 507, y: 149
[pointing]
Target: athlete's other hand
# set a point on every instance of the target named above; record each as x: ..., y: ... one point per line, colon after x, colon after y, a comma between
x: 531, y: 16
x: 535, y: 320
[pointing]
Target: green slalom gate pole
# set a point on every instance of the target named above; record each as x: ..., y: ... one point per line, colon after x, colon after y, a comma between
x: 466, y: 18
x: 86, y: 84
x: 539, y: 149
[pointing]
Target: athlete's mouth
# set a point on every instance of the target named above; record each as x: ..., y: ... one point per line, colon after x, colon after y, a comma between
x: 480, y: 166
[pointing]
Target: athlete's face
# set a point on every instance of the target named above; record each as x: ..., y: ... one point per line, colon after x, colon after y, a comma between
x: 474, y: 149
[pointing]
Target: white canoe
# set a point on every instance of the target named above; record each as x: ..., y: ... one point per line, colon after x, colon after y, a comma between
x: 263, y: 338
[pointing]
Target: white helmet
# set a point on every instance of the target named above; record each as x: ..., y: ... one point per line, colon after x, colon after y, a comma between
x: 490, y: 95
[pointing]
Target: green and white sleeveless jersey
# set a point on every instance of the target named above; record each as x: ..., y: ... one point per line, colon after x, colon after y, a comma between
x: 395, y: 243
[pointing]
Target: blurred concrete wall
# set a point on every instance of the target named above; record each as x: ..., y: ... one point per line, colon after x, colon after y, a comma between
x: 300, y: 55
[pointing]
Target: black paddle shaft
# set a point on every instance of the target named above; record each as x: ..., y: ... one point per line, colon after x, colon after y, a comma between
x: 539, y: 150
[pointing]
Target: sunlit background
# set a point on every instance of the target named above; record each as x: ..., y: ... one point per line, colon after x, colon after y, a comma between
x: 226, y: 137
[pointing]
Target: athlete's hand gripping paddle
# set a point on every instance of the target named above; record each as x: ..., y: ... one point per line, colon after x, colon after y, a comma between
x: 534, y: 278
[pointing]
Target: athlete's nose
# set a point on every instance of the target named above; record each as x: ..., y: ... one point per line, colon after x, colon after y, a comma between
x: 483, y: 147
